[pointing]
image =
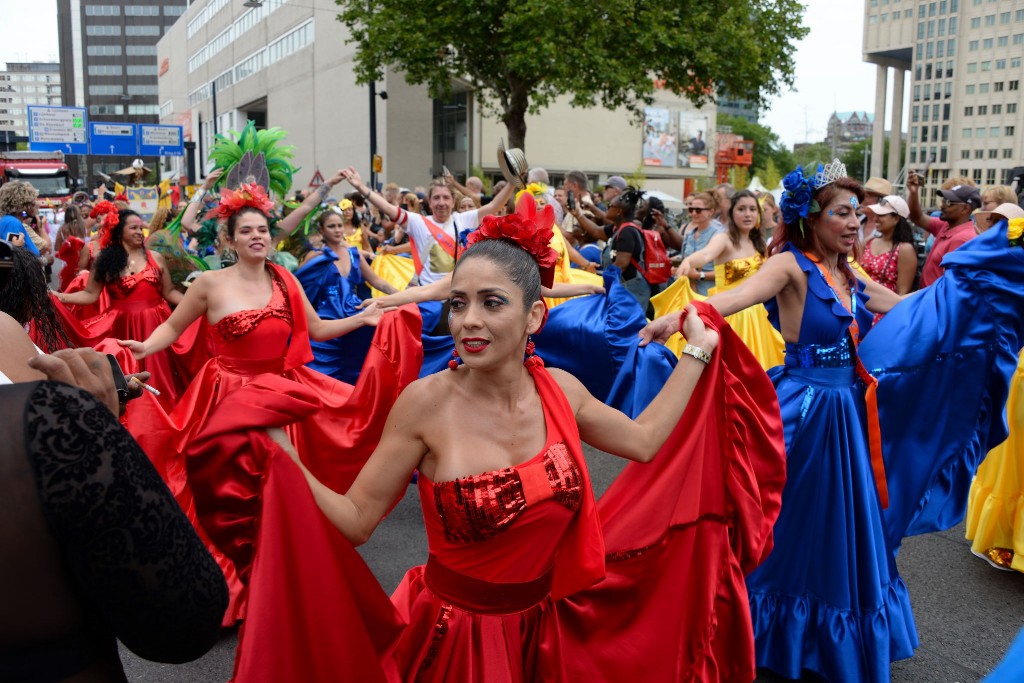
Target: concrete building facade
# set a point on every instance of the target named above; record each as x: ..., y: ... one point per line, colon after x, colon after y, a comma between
x: 108, y: 65
x: 288, y: 64
x: 964, y: 62
x: 23, y: 84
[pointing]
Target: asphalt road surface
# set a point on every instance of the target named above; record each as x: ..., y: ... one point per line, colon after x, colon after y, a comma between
x: 967, y: 613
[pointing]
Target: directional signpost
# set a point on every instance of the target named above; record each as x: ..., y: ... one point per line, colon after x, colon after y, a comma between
x: 58, y: 129
x: 113, y: 139
x: 160, y: 141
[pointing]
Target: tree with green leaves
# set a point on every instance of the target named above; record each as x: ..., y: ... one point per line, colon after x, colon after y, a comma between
x: 517, y: 57
x: 767, y: 144
x: 855, y: 157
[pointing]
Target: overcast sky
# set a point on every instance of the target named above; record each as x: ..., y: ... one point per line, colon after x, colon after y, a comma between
x: 830, y: 75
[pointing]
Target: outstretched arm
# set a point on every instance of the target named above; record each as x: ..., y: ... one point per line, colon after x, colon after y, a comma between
x: 499, y: 200
x: 698, y: 259
x: 192, y: 305
x: 290, y: 222
x: 85, y: 297
x: 611, y: 431
x: 188, y: 219
x: 369, y: 194
x: 376, y: 281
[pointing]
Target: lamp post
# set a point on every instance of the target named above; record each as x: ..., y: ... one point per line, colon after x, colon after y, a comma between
x: 445, y: 108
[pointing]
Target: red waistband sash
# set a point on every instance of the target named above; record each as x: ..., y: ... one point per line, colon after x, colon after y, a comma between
x: 485, y: 597
x: 251, y: 367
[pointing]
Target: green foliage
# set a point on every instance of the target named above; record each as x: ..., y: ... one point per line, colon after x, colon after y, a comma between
x: 813, y: 154
x: 854, y: 159
x: 519, y: 56
x: 639, y: 176
x: 479, y: 172
x: 767, y: 144
x: 739, y: 177
x: 770, y: 176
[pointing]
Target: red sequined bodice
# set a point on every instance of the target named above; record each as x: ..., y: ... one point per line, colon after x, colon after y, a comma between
x: 477, y: 508
x: 144, y: 284
x: 236, y: 325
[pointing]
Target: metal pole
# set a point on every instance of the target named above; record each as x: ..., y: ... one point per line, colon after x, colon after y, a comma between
x: 213, y: 90
x: 373, y: 133
x: 190, y: 161
x: 867, y: 150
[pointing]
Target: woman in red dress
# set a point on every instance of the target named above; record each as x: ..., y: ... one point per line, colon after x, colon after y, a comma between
x: 260, y: 324
x: 529, y: 578
x: 140, y: 290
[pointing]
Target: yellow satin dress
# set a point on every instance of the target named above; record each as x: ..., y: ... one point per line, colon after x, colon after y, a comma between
x: 751, y: 324
x: 564, y: 272
x: 995, y: 508
x: 394, y: 269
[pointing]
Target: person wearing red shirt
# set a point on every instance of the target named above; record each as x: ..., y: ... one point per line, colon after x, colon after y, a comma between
x: 953, y: 229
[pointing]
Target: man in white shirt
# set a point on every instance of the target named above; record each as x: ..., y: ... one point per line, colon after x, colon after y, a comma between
x: 433, y: 237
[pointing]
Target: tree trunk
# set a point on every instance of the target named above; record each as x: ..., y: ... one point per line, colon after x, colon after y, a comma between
x: 514, y: 117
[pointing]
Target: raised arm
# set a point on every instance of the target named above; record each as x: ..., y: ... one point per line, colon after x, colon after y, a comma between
x: 384, y: 477
x: 917, y: 216
x: 499, y: 200
x: 613, y: 432
x: 188, y: 219
x: 376, y: 198
x: 290, y: 222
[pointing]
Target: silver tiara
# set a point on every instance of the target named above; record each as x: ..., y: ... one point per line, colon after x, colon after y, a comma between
x: 829, y: 173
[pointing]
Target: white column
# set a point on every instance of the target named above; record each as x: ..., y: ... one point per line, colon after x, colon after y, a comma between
x: 895, y: 125
x: 878, y: 134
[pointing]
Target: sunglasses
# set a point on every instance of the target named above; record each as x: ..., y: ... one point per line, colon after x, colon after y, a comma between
x: 696, y: 209
x: 947, y: 203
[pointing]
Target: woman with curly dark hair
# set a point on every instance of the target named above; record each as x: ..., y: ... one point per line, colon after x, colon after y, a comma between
x: 889, y: 257
x: 25, y: 297
x: 140, y: 289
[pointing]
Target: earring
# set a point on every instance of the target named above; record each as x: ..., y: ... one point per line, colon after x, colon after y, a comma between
x: 453, y: 364
x: 530, y: 346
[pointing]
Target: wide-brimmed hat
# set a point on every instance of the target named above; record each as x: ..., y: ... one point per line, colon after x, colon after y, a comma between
x: 513, y: 165
x: 891, y: 204
x: 986, y: 219
x: 879, y: 186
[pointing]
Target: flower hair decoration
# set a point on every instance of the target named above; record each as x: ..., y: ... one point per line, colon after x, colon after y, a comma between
x: 247, y: 194
x: 1015, y: 232
x: 797, y: 200
x: 109, y: 216
x: 526, y: 228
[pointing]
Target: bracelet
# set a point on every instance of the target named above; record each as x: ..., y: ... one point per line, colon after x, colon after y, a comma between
x: 324, y: 190
x: 198, y: 196
x: 698, y: 353
x: 366, y: 195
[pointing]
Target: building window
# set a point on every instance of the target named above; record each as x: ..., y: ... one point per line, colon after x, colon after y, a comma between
x: 976, y: 22
x: 106, y: 70
x: 982, y: 88
x: 166, y: 109
x: 174, y: 10
x: 145, y: 30
x: 951, y: 47
x: 979, y: 154
x: 1019, y: 15
x: 968, y: 111
x: 945, y: 133
x: 102, y: 30
x: 1000, y: 64
x: 140, y: 50
x: 990, y: 176
x: 979, y: 132
x: 997, y: 86
x: 965, y: 154
x: 106, y: 109
x: 990, y: 20
x: 1014, y: 62
x: 987, y: 44
x: 982, y: 110
x: 106, y: 90
x: 1014, y: 85
x: 916, y: 114
x: 972, y: 67
x: 986, y: 65
x: 102, y: 11
x: 142, y: 70
x: 1007, y: 153
x: 143, y: 109
x: 997, y: 109
x: 993, y: 154
x: 945, y: 112
x: 143, y: 90
x: 1011, y: 107
x: 1004, y: 17
x: 977, y: 175
x: 1018, y: 38
x: 972, y: 46
x: 913, y: 156
x: 966, y: 133
x: 1009, y: 131
x: 1003, y: 41
x: 924, y: 114
x: 141, y: 11
x: 104, y: 50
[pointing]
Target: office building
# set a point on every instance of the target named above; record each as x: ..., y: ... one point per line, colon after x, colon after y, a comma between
x: 964, y: 61
x: 23, y: 84
x: 109, y: 66
x: 288, y: 64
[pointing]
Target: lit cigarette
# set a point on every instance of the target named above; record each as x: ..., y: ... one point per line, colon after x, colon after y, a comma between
x: 155, y: 392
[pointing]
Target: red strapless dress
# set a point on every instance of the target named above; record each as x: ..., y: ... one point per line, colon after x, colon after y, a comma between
x: 528, y: 578
x: 270, y: 345
x: 137, y: 307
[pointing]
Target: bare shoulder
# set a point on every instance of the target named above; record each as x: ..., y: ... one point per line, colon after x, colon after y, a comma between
x: 573, y: 389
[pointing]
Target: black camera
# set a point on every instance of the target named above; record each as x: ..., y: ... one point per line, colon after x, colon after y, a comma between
x: 570, y: 200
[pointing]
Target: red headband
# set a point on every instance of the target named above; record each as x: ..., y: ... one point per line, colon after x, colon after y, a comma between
x: 248, y: 194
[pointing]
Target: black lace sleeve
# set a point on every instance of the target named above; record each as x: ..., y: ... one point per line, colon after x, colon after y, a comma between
x: 132, y: 554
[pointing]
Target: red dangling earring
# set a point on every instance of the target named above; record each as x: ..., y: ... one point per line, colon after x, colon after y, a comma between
x: 530, y: 346
x: 453, y: 364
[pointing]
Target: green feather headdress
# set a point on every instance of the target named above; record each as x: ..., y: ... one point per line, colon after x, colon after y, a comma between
x: 256, y: 155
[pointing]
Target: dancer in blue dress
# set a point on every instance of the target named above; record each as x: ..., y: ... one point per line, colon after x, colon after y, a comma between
x: 330, y: 277
x: 829, y: 599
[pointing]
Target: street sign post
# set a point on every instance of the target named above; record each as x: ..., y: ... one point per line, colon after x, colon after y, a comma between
x: 117, y: 139
x: 160, y: 141
x: 58, y: 129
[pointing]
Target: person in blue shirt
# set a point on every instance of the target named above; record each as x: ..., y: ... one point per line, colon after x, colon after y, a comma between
x: 17, y: 203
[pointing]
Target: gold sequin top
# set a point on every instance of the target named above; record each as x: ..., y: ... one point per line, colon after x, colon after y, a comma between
x: 731, y: 273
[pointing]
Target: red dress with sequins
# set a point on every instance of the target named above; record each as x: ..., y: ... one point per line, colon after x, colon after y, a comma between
x: 528, y: 578
x: 137, y: 307
x: 271, y: 344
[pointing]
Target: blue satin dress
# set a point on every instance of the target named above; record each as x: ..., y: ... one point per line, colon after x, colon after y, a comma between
x: 829, y: 598
x: 334, y: 298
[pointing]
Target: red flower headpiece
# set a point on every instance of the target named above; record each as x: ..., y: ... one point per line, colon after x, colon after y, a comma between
x: 247, y: 194
x: 527, y: 229
x: 110, y: 219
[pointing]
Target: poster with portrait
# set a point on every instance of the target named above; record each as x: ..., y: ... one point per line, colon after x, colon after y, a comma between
x: 693, y: 140
x: 659, y: 137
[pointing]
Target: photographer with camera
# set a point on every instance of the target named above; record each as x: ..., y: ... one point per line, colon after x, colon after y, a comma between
x: 17, y: 204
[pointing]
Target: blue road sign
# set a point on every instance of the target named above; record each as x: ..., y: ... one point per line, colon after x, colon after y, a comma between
x: 119, y: 139
x: 58, y: 129
x: 160, y: 141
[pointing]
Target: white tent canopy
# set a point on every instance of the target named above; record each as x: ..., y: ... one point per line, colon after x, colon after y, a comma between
x: 668, y: 200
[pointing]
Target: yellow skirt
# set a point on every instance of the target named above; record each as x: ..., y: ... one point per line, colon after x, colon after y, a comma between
x: 751, y: 324
x: 995, y: 508
x: 394, y: 269
x: 577, y: 277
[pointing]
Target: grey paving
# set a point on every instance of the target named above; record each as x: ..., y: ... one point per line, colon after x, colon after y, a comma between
x: 967, y: 613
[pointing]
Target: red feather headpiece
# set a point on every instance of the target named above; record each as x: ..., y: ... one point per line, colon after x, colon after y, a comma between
x: 527, y: 228
x: 110, y: 219
x: 247, y: 194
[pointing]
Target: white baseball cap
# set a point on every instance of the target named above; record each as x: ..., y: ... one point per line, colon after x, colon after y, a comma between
x: 891, y: 204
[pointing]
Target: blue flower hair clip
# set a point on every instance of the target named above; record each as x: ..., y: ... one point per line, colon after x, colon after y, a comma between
x: 798, y: 191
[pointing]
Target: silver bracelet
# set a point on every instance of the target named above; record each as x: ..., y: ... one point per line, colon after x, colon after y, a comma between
x: 198, y: 196
x: 366, y: 195
x: 698, y: 353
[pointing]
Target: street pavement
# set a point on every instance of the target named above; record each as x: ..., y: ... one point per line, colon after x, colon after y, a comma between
x: 967, y: 613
